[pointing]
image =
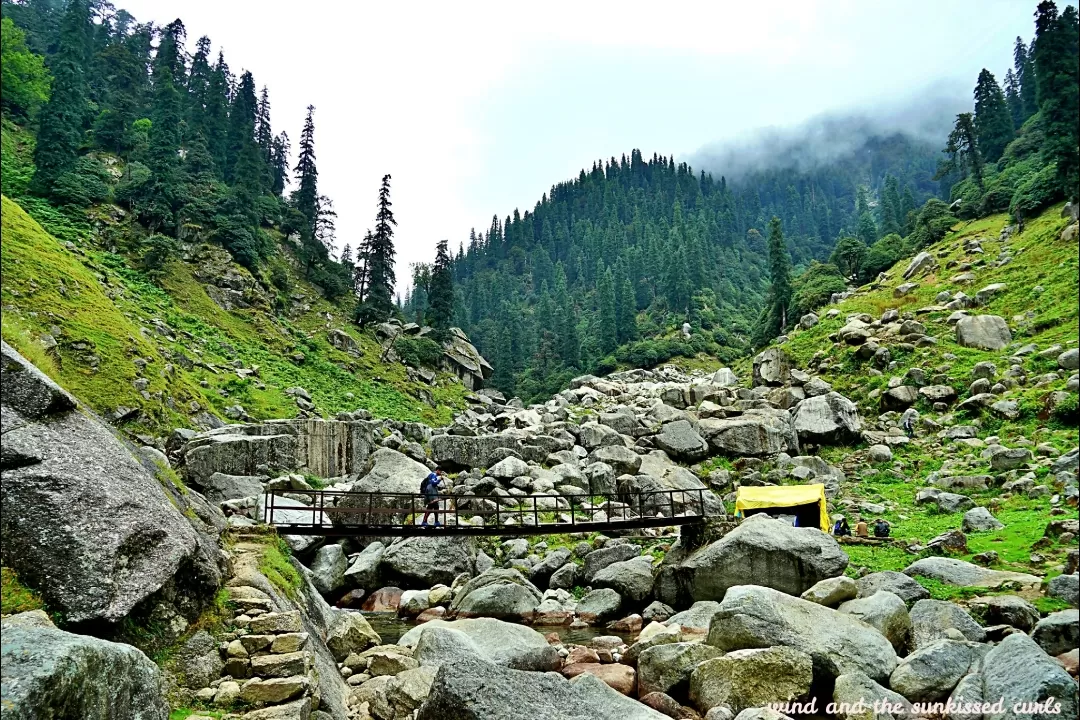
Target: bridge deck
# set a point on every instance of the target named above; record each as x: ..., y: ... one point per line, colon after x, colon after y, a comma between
x: 355, y: 514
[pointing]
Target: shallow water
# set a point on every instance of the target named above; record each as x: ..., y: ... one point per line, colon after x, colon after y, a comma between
x: 390, y: 628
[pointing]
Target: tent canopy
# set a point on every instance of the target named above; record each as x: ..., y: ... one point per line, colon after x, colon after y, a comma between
x: 803, y: 501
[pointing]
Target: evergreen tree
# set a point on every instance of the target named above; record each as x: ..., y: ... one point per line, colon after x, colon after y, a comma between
x: 215, y: 123
x: 774, y: 318
x: 993, y: 122
x: 377, y: 305
x: 891, y: 206
x: 1057, y: 57
x: 606, y: 322
x: 962, y: 151
x: 867, y: 229
x: 63, y: 119
x: 306, y: 196
x: 198, y: 88
x: 1025, y: 79
x: 264, y: 134
x: 123, y: 63
x: 1013, y: 99
x: 241, y: 128
x: 626, y: 308
x: 279, y: 164
x: 165, y: 191
x: 440, y: 301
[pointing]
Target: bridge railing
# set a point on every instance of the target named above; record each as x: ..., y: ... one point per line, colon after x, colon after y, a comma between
x: 323, y: 511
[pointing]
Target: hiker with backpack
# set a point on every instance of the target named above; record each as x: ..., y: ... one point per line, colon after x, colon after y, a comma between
x: 429, y: 488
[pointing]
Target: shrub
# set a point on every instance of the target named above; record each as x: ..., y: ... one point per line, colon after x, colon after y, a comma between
x: 882, y: 255
x: 85, y: 184
x: 932, y: 224
x: 814, y: 287
x: 418, y: 351
x: 1035, y: 192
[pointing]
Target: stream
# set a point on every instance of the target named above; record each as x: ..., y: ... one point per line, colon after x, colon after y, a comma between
x: 391, y: 627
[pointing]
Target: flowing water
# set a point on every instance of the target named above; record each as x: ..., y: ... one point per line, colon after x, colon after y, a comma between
x: 390, y: 628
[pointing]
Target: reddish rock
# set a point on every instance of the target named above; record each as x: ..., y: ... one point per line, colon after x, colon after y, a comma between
x: 582, y: 654
x: 622, y: 678
x: 553, y: 638
x: 1070, y: 661
x: 667, y: 705
x: 384, y: 599
x: 555, y: 617
x: 431, y: 614
x: 351, y: 599
x: 629, y: 624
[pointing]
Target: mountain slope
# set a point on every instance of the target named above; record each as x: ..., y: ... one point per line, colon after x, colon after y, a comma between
x: 161, y: 355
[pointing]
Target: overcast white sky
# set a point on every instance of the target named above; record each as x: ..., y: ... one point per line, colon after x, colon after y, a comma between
x: 476, y: 108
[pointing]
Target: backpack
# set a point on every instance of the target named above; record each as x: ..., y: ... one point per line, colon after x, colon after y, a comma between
x: 426, y: 483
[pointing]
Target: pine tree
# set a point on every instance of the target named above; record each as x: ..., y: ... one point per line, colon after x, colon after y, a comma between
x: 1025, y: 78
x: 241, y: 127
x: 215, y: 124
x: 198, y: 88
x: 159, y: 207
x: 63, y: 119
x: 306, y: 196
x: 993, y: 122
x: 279, y: 164
x: 377, y: 305
x: 1056, y: 60
x: 1013, y: 99
x: 867, y: 229
x: 440, y: 301
x: 626, y: 307
x: 124, y: 63
x: 962, y: 151
x: 774, y: 317
x: 360, y: 270
x: 605, y: 312
x: 264, y: 134
x: 891, y: 219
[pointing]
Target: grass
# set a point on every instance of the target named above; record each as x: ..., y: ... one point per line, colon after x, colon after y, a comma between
x: 275, y: 565
x: 185, y: 713
x: 102, y: 311
x: 16, y: 597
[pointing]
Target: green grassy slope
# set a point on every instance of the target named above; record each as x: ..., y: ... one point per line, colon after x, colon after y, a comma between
x: 103, y: 315
x: 1043, y: 317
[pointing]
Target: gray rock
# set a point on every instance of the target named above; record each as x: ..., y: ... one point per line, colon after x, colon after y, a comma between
x: 921, y: 263
x: 979, y: 519
x: 621, y: 459
x: 725, y: 377
x: 220, y: 487
x: 541, y: 573
x: 199, y: 661
x: 632, y: 578
x: 755, y: 432
x: 597, y: 560
x: 697, y: 618
x: 1069, y: 360
x: 364, y: 570
x: 681, y: 441
x: 931, y: 672
x: 899, y: 584
x: 772, y: 366
x: 964, y: 574
x: 1018, y: 670
x: 1058, y: 632
x: 932, y: 620
x: 879, y: 454
x: 857, y: 692
x: 1003, y: 458
x: 1004, y: 610
x: 439, y: 641
x: 887, y: 613
x: 899, y: 398
x: 829, y: 419
x: 666, y: 668
x: 751, y: 678
x: 49, y: 673
x: 472, y: 688
x: 774, y: 553
x: 426, y: 561
x: 986, y: 332
x: 460, y: 451
x: 601, y: 478
x: 565, y: 577
x: 386, y: 471
x: 657, y: 611
x: 1065, y: 587
x: 497, y: 594
x: 328, y: 568
x: 508, y: 468
x: 83, y: 521
x: 596, y: 435
x: 757, y: 617
x: 830, y: 592
x: 349, y: 632
x: 599, y: 606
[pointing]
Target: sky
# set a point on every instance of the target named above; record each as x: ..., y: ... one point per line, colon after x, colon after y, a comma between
x: 478, y: 108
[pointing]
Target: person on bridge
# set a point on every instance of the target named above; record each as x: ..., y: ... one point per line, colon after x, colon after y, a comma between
x: 429, y: 488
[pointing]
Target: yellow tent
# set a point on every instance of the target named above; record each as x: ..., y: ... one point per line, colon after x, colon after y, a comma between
x: 796, y: 499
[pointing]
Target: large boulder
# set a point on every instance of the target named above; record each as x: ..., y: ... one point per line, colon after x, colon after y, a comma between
x: 465, y: 452
x: 83, y: 521
x: 622, y: 460
x: 931, y: 672
x: 632, y: 579
x: 493, y: 640
x: 328, y: 568
x: 387, y: 471
x: 679, y: 440
x: 904, y: 587
x: 474, y: 689
x: 49, y: 673
x: 760, y: 617
x: 964, y: 574
x: 751, y: 678
x: 363, y: 572
x: 885, y: 612
x: 986, y: 332
x: 667, y: 667
x: 1005, y: 610
x: 772, y: 366
x: 220, y: 487
x: 829, y: 419
x: 599, y: 559
x: 1018, y: 670
x: 855, y: 695
x: 497, y: 594
x: 764, y: 551
x: 664, y: 474
x: 599, y: 605
x: 423, y: 561
x: 756, y: 432
x: 1058, y: 632
x: 349, y: 632
x: 932, y: 620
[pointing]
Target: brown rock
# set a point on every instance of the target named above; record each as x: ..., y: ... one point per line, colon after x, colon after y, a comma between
x: 667, y: 705
x: 555, y: 617
x: 629, y: 624
x: 434, y: 613
x: 351, y: 599
x: 1070, y: 661
x: 553, y: 638
x: 622, y: 678
x: 581, y: 654
x: 384, y: 599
